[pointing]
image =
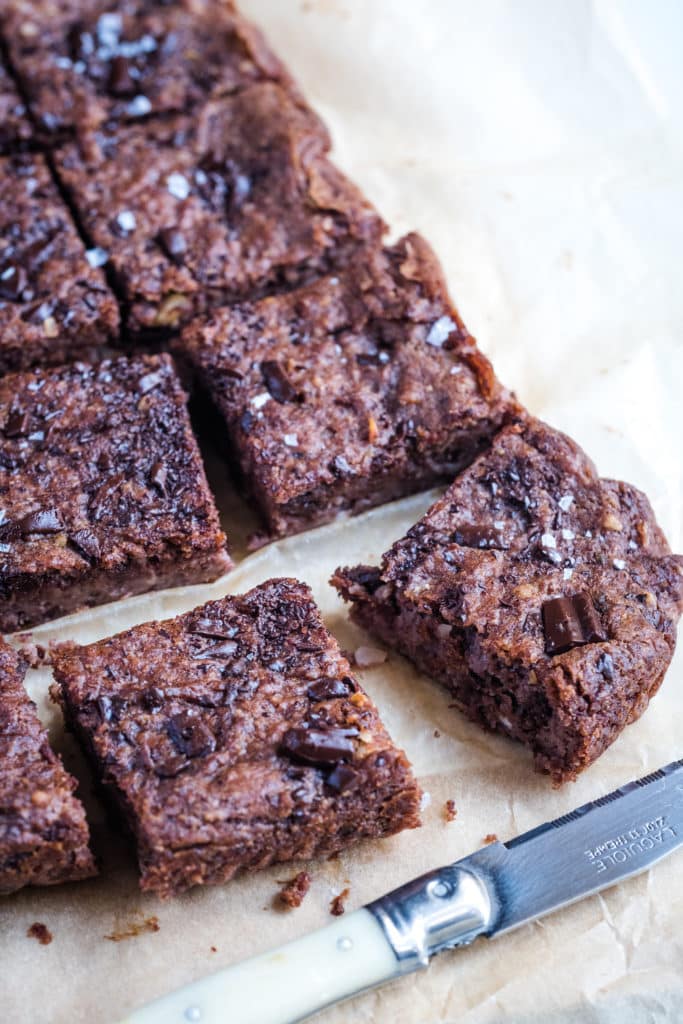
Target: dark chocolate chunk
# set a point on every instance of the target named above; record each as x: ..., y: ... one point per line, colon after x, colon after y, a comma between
x: 13, y: 281
x: 17, y: 424
x: 191, y: 736
x: 276, y: 381
x: 120, y: 82
x: 212, y: 630
x: 86, y: 543
x: 220, y: 651
x: 46, y: 520
x: 319, y: 746
x: 343, y: 778
x: 478, y: 536
x: 570, y: 622
x: 329, y: 689
x: 173, y: 243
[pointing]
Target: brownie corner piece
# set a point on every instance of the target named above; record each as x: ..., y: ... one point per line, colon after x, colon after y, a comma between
x: 248, y: 741
x: 543, y: 597
x: 198, y: 210
x: 55, y: 304
x: 43, y: 832
x: 355, y: 389
x: 87, y: 64
x: 103, y: 489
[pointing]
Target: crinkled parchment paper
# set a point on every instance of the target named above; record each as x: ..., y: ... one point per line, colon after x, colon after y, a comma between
x: 538, y: 146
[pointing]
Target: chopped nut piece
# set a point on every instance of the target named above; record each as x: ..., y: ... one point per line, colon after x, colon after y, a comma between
x: 610, y: 522
x: 490, y: 838
x: 172, y: 309
x: 373, y: 432
x: 50, y: 327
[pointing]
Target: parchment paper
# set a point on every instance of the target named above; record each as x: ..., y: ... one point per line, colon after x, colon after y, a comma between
x: 538, y: 146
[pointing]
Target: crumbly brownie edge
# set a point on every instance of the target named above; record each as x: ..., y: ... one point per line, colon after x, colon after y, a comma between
x: 62, y: 853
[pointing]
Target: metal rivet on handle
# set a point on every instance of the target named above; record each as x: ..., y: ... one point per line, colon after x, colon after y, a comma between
x: 344, y: 944
x: 193, y: 1013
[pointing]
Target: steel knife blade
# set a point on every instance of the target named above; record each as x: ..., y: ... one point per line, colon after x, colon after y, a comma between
x: 494, y: 890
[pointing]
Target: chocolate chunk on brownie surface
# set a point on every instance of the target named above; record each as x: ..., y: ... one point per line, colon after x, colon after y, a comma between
x: 92, y: 61
x: 54, y: 301
x: 545, y: 598
x: 43, y: 833
x: 15, y: 127
x: 234, y: 737
x: 102, y: 489
x: 239, y: 199
x: 358, y: 388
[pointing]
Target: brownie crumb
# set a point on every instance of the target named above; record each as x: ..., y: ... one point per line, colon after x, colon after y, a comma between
x: 294, y: 890
x: 436, y: 734
x: 35, y: 655
x: 337, y: 907
x: 213, y: 949
x: 40, y: 932
x: 450, y: 811
x: 134, y: 928
x: 490, y: 838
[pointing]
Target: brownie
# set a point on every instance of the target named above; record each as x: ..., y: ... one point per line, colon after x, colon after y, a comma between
x: 54, y: 300
x: 15, y: 128
x: 234, y: 737
x: 237, y: 200
x: 89, y: 62
x: 102, y: 489
x: 43, y: 832
x: 350, y: 391
x: 545, y: 598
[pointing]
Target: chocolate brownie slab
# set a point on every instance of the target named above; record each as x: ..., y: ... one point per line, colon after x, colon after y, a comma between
x: 94, y: 61
x: 102, y: 489
x: 15, y: 128
x: 54, y: 301
x: 353, y: 390
x: 197, y: 210
x: 43, y: 832
x: 234, y: 737
x: 545, y: 598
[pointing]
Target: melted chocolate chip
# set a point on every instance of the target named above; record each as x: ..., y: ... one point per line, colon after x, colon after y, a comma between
x: 120, y: 82
x: 570, y: 622
x: 173, y: 243
x: 478, y: 536
x: 13, y: 281
x: 46, y: 520
x: 17, y: 424
x: 319, y: 747
x: 86, y: 543
x: 190, y: 736
x: 158, y: 476
x: 219, y: 651
x: 211, y: 629
x: 343, y: 778
x: 276, y: 381
x: 329, y: 689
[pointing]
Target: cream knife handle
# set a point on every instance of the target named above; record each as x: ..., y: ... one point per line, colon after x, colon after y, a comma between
x: 286, y: 984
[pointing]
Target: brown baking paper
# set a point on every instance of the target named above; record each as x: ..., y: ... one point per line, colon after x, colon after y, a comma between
x: 537, y: 145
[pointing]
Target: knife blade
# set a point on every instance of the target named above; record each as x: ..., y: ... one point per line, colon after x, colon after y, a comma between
x: 494, y: 890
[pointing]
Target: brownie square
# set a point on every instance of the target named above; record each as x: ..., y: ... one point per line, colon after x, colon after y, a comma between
x: 545, y: 598
x: 92, y: 61
x: 54, y: 302
x: 355, y: 389
x: 197, y: 210
x: 102, y: 489
x: 15, y: 128
x: 43, y: 832
x: 234, y: 737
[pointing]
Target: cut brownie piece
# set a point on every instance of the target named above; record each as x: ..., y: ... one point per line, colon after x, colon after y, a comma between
x: 545, y: 598
x: 194, y: 210
x: 43, y: 832
x: 350, y: 391
x: 54, y: 301
x: 234, y: 737
x: 102, y: 489
x: 93, y: 61
x: 15, y: 128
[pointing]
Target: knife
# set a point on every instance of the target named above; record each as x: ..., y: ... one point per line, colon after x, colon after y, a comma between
x: 500, y: 887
